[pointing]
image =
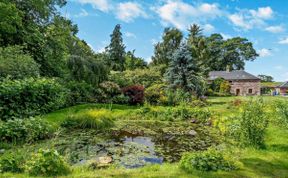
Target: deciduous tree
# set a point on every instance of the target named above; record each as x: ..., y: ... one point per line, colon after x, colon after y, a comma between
x: 232, y: 52
x: 163, y: 51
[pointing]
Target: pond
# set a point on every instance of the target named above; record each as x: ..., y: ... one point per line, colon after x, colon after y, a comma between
x: 136, y: 148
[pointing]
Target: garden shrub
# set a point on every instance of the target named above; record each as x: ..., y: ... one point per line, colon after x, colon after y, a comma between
x: 155, y: 94
x: 281, y: 108
x: 16, y: 64
x: 225, y: 87
x: 12, y: 163
x: 120, y: 99
x: 198, y: 103
x: 209, y: 160
x: 29, y: 97
x: 110, y: 88
x: 182, y: 97
x: 145, y: 76
x: 47, y: 163
x: 209, y: 92
x: 201, y: 114
x: 80, y: 92
x: 253, y: 123
x: 221, y: 94
x: 231, y: 128
x: 181, y: 112
x: 91, y: 119
x: 178, y: 96
x: 119, y: 78
x: 215, y: 85
x: 25, y: 130
x: 135, y: 94
x: 112, y: 93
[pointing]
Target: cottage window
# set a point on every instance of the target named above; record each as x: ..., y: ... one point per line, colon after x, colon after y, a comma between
x: 250, y: 91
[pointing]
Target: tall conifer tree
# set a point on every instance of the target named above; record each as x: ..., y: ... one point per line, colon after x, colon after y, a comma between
x: 184, y: 73
x: 116, y: 50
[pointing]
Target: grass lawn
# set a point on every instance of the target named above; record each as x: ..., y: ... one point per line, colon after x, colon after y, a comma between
x: 269, y: 162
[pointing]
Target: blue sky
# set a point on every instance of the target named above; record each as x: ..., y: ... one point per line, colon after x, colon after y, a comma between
x: 264, y: 22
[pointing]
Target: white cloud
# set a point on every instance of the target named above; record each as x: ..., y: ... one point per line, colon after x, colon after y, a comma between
x: 275, y: 29
x: 248, y: 19
x: 264, y: 52
x: 211, y: 9
x: 238, y: 20
x: 102, y: 5
x: 129, y: 34
x: 208, y: 28
x: 279, y: 67
x: 181, y: 14
x: 263, y: 12
x: 83, y: 13
x: 284, y: 41
x: 128, y: 11
x: 225, y: 36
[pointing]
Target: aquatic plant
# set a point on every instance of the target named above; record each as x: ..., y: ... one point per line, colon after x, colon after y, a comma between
x: 91, y: 119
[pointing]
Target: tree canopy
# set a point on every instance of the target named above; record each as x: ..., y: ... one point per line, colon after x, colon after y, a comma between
x: 197, y: 44
x: 233, y: 52
x: 15, y: 64
x: 37, y: 41
x: 163, y: 51
x: 211, y: 52
x: 266, y: 78
x: 89, y: 70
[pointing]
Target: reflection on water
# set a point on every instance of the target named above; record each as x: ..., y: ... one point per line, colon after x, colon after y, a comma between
x: 142, y: 154
x: 134, y: 149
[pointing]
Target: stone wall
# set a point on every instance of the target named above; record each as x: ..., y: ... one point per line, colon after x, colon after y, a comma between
x: 245, y: 88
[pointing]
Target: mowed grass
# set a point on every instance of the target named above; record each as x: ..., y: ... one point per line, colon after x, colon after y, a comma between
x: 269, y: 162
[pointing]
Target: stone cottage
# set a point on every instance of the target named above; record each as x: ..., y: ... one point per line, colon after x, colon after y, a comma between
x: 242, y: 83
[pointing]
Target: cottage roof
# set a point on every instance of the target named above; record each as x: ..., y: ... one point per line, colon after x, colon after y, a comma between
x: 283, y: 85
x: 232, y: 75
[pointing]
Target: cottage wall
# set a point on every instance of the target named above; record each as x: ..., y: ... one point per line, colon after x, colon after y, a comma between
x: 283, y: 91
x: 246, y: 87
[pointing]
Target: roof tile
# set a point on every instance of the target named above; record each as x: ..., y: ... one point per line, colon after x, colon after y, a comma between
x: 232, y: 75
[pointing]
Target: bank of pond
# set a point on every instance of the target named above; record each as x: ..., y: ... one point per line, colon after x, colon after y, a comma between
x: 96, y: 140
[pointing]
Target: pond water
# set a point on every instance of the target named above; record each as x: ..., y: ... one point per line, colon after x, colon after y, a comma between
x: 141, y: 152
x: 135, y: 149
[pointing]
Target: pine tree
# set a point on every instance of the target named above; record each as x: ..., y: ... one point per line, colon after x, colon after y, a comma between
x: 195, y: 34
x: 184, y: 73
x: 116, y: 50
